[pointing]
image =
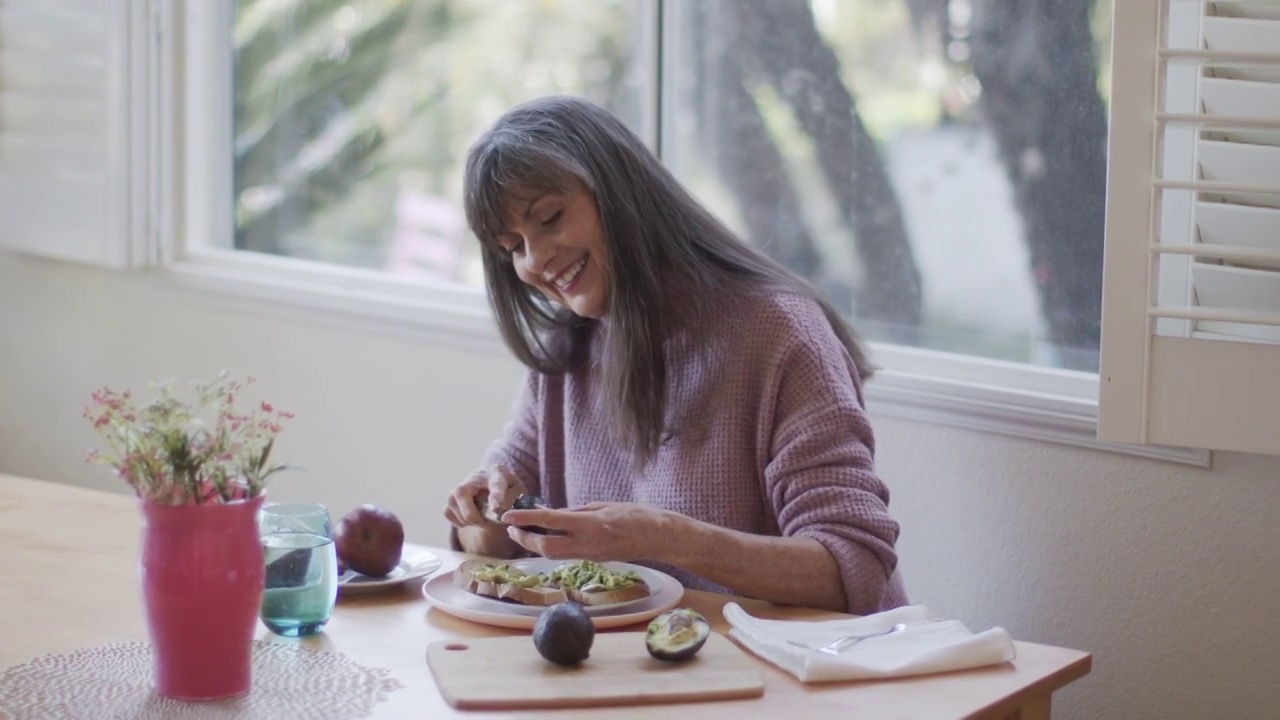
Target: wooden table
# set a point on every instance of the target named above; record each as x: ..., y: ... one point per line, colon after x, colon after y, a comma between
x: 71, y: 581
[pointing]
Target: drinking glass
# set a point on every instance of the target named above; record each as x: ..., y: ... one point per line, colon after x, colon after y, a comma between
x: 302, y: 568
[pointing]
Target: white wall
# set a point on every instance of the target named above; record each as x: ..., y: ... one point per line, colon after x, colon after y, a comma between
x: 1168, y: 574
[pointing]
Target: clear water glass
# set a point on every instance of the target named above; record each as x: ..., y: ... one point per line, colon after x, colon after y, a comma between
x: 302, y: 568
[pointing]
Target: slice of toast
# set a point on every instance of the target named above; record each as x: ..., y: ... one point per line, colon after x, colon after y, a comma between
x: 591, y: 583
x: 465, y: 577
x: 608, y: 597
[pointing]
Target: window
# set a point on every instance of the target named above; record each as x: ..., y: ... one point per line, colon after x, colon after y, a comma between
x: 936, y: 168
x: 352, y: 118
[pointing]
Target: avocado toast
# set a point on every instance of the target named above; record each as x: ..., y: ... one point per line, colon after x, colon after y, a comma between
x: 583, y: 581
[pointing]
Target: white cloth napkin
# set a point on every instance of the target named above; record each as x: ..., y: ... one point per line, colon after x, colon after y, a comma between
x: 927, y: 645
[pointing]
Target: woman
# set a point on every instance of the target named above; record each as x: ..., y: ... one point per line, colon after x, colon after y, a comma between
x: 689, y: 405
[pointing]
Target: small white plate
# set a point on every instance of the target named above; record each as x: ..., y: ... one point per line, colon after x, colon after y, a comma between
x: 444, y: 594
x: 415, y: 562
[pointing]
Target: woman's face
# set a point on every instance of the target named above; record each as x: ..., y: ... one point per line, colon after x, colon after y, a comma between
x: 557, y: 246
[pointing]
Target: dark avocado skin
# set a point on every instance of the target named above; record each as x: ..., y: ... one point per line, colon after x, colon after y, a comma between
x: 564, y: 634
x: 655, y: 634
x: 530, y: 502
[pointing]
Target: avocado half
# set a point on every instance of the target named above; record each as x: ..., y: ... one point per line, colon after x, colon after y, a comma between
x: 677, y: 634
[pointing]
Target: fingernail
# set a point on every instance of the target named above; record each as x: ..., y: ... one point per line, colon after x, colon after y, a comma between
x: 511, y: 532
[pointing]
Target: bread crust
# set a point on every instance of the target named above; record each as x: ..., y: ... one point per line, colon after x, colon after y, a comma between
x: 464, y: 577
x: 609, y: 597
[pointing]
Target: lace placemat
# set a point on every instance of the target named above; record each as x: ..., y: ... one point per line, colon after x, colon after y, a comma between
x: 114, y: 681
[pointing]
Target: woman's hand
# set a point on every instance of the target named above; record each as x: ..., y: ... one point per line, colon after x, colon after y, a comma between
x: 498, y: 483
x: 496, y: 487
x: 598, y: 531
x: 782, y: 570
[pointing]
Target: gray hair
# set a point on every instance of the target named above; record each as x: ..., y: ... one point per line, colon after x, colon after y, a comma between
x: 656, y: 237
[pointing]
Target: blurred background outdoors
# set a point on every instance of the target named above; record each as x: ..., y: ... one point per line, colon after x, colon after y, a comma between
x: 936, y: 167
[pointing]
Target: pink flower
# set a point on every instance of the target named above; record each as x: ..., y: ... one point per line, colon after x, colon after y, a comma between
x: 140, y: 439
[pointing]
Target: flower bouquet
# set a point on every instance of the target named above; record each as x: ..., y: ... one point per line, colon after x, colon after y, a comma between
x: 199, y: 469
x: 169, y: 452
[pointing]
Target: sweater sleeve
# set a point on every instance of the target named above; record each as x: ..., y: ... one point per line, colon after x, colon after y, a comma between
x: 820, y: 476
x: 517, y: 448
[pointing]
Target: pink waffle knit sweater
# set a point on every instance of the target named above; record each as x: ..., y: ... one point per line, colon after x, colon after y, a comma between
x: 767, y: 435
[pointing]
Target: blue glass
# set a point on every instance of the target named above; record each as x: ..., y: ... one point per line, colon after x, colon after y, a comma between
x: 302, y: 568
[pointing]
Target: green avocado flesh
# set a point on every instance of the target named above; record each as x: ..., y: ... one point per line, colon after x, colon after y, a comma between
x: 591, y: 577
x: 564, y: 634
x: 677, y: 634
x: 579, y: 575
x: 507, y: 575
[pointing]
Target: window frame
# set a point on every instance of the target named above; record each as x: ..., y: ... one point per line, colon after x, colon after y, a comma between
x: 192, y: 147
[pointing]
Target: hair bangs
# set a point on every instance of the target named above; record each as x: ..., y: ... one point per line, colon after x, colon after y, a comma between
x: 502, y: 172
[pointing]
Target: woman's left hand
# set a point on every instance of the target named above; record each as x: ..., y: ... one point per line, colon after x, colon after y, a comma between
x: 599, y: 532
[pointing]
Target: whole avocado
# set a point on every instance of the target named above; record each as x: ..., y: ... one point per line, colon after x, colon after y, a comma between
x: 564, y: 634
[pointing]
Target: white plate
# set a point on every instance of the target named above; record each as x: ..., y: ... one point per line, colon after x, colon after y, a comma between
x: 415, y: 562
x: 444, y: 594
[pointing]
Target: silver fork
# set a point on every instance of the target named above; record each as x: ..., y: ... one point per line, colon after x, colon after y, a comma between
x: 835, y: 646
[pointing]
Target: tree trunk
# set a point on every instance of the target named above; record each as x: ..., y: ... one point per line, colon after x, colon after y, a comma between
x: 777, y: 42
x: 1036, y: 65
x: 747, y: 158
x: 787, y: 48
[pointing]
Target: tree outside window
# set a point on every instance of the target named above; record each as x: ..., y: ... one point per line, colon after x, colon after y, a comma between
x: 935, y: 167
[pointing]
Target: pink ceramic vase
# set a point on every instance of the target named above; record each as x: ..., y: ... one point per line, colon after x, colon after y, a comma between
x: 202, y: 576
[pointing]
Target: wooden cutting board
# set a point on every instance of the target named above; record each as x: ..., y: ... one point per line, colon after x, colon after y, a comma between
x: 507, y: 673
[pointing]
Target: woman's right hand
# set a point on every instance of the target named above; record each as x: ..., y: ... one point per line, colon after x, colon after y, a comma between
x: 497, y: 487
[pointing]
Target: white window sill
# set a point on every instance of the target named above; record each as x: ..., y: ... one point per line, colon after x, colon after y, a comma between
x: 449, y: 314
x: 971, y: 393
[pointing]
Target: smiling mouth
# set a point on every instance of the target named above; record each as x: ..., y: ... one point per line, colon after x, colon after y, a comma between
x: 569, y: 274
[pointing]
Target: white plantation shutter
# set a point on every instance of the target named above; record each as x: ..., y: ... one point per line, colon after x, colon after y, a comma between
x: 75, y: 130
x: 1191, y: 307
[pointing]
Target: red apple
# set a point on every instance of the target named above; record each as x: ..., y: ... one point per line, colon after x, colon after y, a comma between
x: 369, y: 539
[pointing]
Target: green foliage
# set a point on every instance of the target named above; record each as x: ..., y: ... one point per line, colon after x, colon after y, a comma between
x: 341, y: 107
x: 310, y: 106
